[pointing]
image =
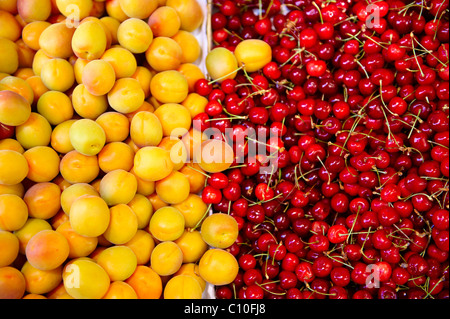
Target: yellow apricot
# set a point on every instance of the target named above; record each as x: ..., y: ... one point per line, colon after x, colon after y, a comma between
x: 135, y: 35
x: 146, y: 129
x: 169, y: 87
x: 60, y: 140
x: 116, y: 155
x: 120, y: 262
x: 112, y: 24
x: 190, y: 12
x: 40, y: 58
x: 87, y: 137
x: 47, y: 250
x: 98, y: 77
x: 78, y: 168
x: 218, y: 267
x: 166, y: 258
x: 164, y: 22
x: 118, y: 187
x: 31, y: 33
x: 43, y: 200
x: 191, y: 269
x: 43, y: 163
x: 9, y: 26
x: 141, y: 9
x: 37, y: 86
x: 123, y: 225
x: 193, y: 209
x: 144, y: 76
x: 164, y: 54
x: 36, y: 131
x: 40, y: 281
x: 122, y: 60
x: 13, y: 167
x: 221, y: 64
x: 9, y: 57
x: 87, y: 105
x: 126, y: 95
x: 57, y: 75
x: 9, y: 246
x: 56, y: 40
x: 55, y: 106
x: 219, y: 230
x: 183, y: 287
x: 193, y: 139
x: 175, y: 119
x: 17, y: 189
x: 192, y: 245
x: 31, y: 227
x: 152, y: 163
x: 143, y: 209
x: 74, y: 9
x: 32, y: 10
x: 26, y: 55
x: 214, y: 156
x: 145, y: 188
x: 142, y: 245
x: 18, y: 85
x: 174, y: 188
x: 116, y: 126
x: 177, y: 150
x: 22, y: 72
x: 189, y: 45
x: 79, y: 245
x: 253, y: 54
x: 89, y: 40
x: 192, y: 73
x: 120, y: 290
x: 78, y: 67
x: 74, y: 192
x: 195, y: 103
x: 85, y: 279
x: 14, y: 108
x: 156, y: 202
x: 12, y: 145
x: 89, y: 216
x: 167, y: 224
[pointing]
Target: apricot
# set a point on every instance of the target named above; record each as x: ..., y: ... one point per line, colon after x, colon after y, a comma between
x: 123, y: 225
x: 193, y: 209
x: 146, y: 283
x: 32, y: 32
x: 175, y: 119
x: 116, y: 155
x: 57, y: 74
x: 167, y: 224
x: 122, y: 60
x: 9, y: 246
x: 18, y: 85
x: 85, y: 279
x: 174, y: 188
x: 34, y: 10
x: 221, y: 64
x: 112, y: 24
x: 142, y: 245
x: 89, y: 216
x: 9, y: 26
x: 115, y: 11
x: 190, y: 12
x: 166, y: 258
x: 143, y: 209
x: 169, y: 87
x: 98, y: 77
x: 120, y: 290
x: 75, y: 10
x: 253, y: 54
x: 40, y: 58
x: 144, y: 187
x: 43, y: 200
x: 14, y: 108
x: 152, y: 163
x: 191, y: 269
x: 56, y: 40
x: 74, y: 192
x: 87, y: 105
x: 156, y: 202
x: 164, y: 54
x: 40, y: 281
x: 214, y: 156
x: 135, y: 35
x: 189, y: 45
x: 195, y: 175
x: 219, y: 230
x: 37, y: 86
x: 43, y: 163
x: 193, y: 140
x: 177, y: 150
x: 89, y: 40
x: 192, y: 245
x: 195, y: 103
x: 79, y: 245
x: 118, y: 187
x: 144, y: 76
x: 164, y: 22
x: 13, y: 212
x: 146, y: 129
x: 126, y: 95
x: 218, y: 267
x: 183, y: 287
x: 87, y: 137
x: 119, y: 262
x: 55, y: 106
x: 115, y: 125
x: 17, y: 189
x: 60, y: 140
x: 13, y: 167
x: 192, y: 73
x: 9, y: 57
x: 31, y: 227
x: 36, y: 131
x: 47, y: 250
x: 12, y: 283
x: 78, y: 168
x: 140, y: 9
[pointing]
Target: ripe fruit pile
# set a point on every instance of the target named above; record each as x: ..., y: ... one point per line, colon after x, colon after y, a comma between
x: 99, y: 194
x: 350, y: 100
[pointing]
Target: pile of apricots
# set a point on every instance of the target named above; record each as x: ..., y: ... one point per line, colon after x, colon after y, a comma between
x: 99, y: 193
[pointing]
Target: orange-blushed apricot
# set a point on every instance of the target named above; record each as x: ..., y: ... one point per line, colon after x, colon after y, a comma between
x: 144, y: 187
x: 146, y: 283
x: 12, y: 283
x: 144, y: 76
x: 167, y: 224
x: 31, y: 227
x: 192, y: 245
x: 87, y: 105
x: 192, y: 73
x: 120, y: 290
x: 59, y: 139
x: 9, y: 26
x: 169, y: 87
x: 37, y: 86
x: 14, y: 108
x: 189, y: 45
x: 18, y: 85
x: 193, y: 209
x: 175, y: 119
x: 196, y: 176
x: 31, y: 33
x: 98, y: 77
x: 79, y: 245
x: 75, y: 9
x: 166, y: 258
x: 43, y: 200
x: 78, y: 168
x: 183, y: 287
x: 164, y: 54
x: 143, y: 209
x: 74, y: 192
x: 116, y: 126
x: 177, y: 150
x: 32, y: 10
x: 195, y: 103
x: 218, y: 267
x: 40, y: 281
x: 164, y: 22
x: 191, y: 269
x: 43, y: 163
x: 56, y: 40
x: 40, y: 58
x: 190, y: 12
x: 112, y: 24
x: 17, y: 189
x: 9, y: 246
x: 116, y: 155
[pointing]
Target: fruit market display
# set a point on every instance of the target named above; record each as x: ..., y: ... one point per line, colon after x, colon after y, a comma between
x: 302, y: 154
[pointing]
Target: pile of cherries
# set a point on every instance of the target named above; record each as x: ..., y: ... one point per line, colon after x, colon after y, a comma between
x: 356, y: 104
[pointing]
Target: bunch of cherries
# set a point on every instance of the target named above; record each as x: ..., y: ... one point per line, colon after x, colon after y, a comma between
x: 355, y: 107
